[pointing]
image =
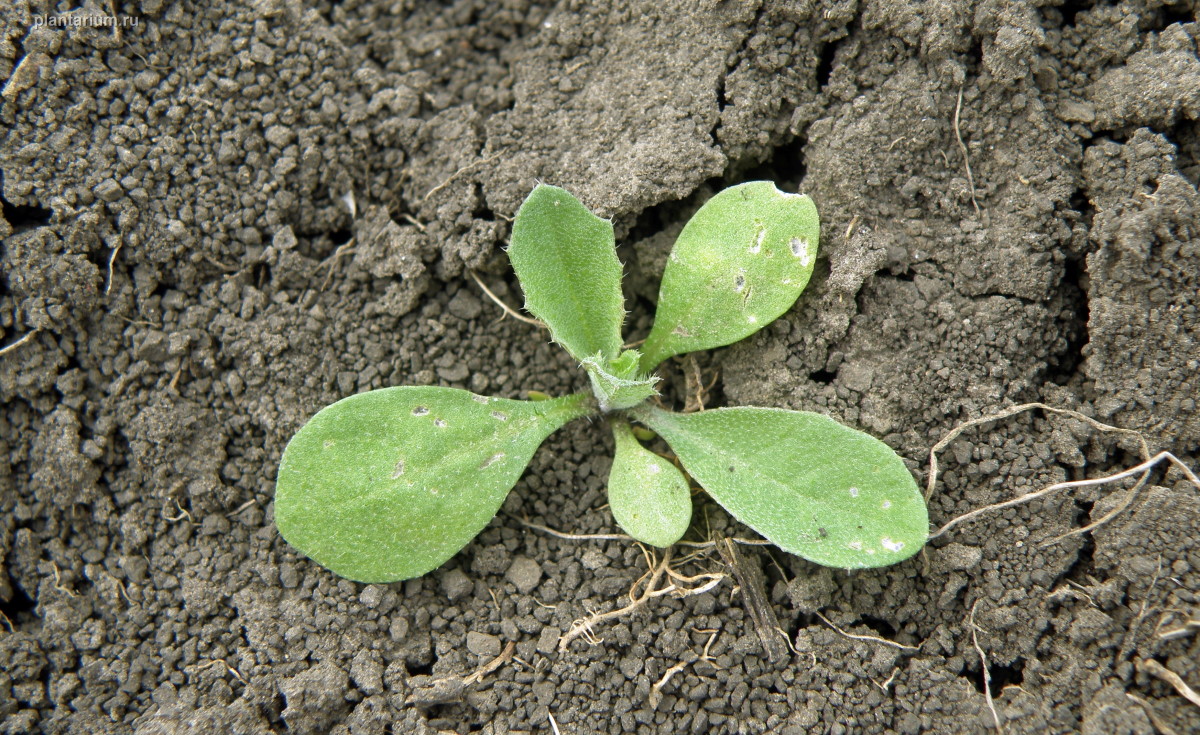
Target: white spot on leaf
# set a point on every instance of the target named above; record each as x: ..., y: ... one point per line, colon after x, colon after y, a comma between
x: 856, y: 545
x: 440, y: 423
x: 479, y: 399
x: 751, y: 319
x: 328, y: 443
x: 739, y: 283
x: 886, y: 504
x: 891, y: 545
x: 399, y: 469
x: 499, y: 416
x: 420, y: 411
x: 653, y: 469
x: 758, y: 241
x: 854, y: 492
x: 491, y: 460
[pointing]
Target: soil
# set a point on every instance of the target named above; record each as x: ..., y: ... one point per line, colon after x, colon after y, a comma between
x: 227, y: 216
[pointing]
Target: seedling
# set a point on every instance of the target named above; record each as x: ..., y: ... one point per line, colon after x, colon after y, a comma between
x: 389, y: 484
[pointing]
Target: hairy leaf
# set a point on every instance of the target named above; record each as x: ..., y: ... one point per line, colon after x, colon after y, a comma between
x: 648, y: 495
x: 389, y: 484
x: 617, y: 384
x: 823, y: 491
x: 740, y: 262
x: 566, y: 261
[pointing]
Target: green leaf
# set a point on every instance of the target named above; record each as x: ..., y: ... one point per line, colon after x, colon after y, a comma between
x: 389, y: 484
x: 566, y: 261
x: 812, y: 486
x: 648, y: 495
x: 617, y: 384
x: 740, y: 262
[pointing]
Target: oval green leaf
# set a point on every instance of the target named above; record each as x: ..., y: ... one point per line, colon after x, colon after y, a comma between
x: 810, y: 485
x: 566, y: 260
x: 648, y: 495
x: 740, y: 262
x: 389, y: 484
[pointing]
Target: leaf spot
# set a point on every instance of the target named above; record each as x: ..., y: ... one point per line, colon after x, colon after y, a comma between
x: 328, y: 443
x: 751, y: 319
x: 856, y: 545
x: 886, y: 504
x: 433, y: 491
x: 758, y: 240
x: 479, y: 399
x: 440, y: 423
x: 399, y: 469
x: 653, y: 468
x: 499, y: 416
x: 491, y: 460
x: 854, y: 492
x: 800, y: 249
x: 739, y: 283
x: 680, y: 331
x: 420, y: 411
x: 891, y: 545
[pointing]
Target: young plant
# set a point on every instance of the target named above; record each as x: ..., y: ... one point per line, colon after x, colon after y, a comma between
x: 389, y: 484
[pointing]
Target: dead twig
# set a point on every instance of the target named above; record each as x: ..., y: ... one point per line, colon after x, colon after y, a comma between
x: 9, y: 348
x: 754, y: 596
x: 871, y: 638
x: 492, y: 665
x: 225, y: 663
x: 345, y: 248
x: 240, y: 508
x: 182, y: 513
x: 888, y: 681
x: 1188, y: 628
x: 1155, y: 669
x: 224, y: 267
x: 507, y: 309
x: 461, y: 171
x: 694, y: 385
x: 957, y: 431
x: 1143, y: 467
x: 966, y: 156
x: 573, y: 536
x: 656, y: 691
x: 1155, y: 720
x: 112, y: 258
x: 983, y: 664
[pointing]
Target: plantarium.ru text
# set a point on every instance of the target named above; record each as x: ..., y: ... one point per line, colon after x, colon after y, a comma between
x: 389, y: 484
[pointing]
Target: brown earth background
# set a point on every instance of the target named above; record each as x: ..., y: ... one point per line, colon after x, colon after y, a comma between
x: 223, y: 218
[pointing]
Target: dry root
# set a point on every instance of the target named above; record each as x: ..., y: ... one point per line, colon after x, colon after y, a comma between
x: 1143, y: 469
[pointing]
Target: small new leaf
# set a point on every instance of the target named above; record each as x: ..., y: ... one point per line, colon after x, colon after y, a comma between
x: 820, y: 490
x: 389, y: 484
x: 617, y: 384
x: 740, y: 262
x: 566, y: 260
x: 648, y: 495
